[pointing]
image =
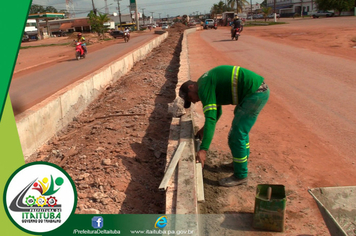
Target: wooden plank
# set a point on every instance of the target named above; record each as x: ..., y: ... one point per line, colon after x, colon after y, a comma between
x: 167, y: 176
x: 200, y: 184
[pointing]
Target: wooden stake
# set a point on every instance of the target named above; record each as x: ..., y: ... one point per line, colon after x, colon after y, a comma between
x: 167, y: 176
x: 200, y: 184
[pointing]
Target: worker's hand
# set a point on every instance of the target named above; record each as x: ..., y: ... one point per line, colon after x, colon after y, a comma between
x: 200, y: 133
x: 201, y: 157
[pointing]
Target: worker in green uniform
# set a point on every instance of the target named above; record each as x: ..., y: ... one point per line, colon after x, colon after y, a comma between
x: 225, y: 85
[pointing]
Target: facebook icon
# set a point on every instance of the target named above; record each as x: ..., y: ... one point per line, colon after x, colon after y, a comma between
x: 97, y: 222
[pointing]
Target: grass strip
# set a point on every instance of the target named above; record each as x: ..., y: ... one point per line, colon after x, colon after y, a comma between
x: 45, y: 45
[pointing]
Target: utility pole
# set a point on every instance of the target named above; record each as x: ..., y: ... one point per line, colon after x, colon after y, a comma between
x: 118, y: 8
x: 251, y: 10
x: 152, y: 17
x: 137, y: 18
x: 106, y: 7
x: 94, y: 10
x: 301, y: 8
x: 274, y: 6
x: 143, y: 15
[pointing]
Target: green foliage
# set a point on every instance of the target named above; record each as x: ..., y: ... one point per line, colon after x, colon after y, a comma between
x: 239, y: 4
x: 266, y: 11
x: 40, y: 9
x: 97, y: 22
x: 220, y: 8
x: 45, y: 45
x: 36, y: 9
x: 51, y: 9
x: 264, y: 3
x: 339, y: 5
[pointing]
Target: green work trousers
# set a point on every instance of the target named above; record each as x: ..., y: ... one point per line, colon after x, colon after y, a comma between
x: 245, y: 117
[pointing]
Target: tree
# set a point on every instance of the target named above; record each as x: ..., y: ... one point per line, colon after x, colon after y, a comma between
x: 40, y: 9
x: 218, y: 8
x: 239, y: 4
x: 264, y: 3
x: 36, y: 9
x: 97, y: 22
x: 266, y: 11
x: 339, y: 5
x: 51, y: 9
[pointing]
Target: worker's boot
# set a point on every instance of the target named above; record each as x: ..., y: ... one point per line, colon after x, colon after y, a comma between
x: 227, y: 165
x: 232, y: 181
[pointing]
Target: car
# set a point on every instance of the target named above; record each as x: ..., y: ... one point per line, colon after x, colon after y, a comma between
x: 117, y: 34
x: 154, y: 26
x: 322, y: 13
x: 165, y: 26
x: 25, y: 38
x: 59, y: 33
x: 257, y: 16
x: 210, y: 23
x: 272, y: 15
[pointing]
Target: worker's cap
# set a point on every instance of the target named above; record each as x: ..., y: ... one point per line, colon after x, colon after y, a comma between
x: 183, y: 93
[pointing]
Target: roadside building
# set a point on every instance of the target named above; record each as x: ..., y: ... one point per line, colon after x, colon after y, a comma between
x: 289, y: 8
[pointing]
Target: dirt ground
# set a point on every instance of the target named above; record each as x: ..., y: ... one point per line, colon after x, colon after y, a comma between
x: 115, y: 151
x: 283, y: 150
x: 117, y: 161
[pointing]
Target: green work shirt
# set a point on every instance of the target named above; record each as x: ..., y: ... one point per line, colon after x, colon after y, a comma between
x: 223, y: 85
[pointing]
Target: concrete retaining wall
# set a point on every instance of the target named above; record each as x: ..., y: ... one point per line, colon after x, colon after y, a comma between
x: 39, y: 124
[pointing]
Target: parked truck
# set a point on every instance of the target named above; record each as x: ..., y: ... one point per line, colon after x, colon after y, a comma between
x: 319, y: 13
x: 227, y: 17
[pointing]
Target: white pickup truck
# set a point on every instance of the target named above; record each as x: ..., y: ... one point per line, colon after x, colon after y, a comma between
x: 317, y: 14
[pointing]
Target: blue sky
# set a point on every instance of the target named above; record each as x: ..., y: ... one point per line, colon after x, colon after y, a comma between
x: 160, y: 8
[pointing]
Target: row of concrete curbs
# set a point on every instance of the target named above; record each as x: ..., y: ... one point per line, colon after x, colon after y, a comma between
x: 183, y: 179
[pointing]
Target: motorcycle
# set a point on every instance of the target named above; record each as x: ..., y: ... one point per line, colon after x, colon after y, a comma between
x: 126, y: 36
x: 79, y: 51
x: 235, y: 33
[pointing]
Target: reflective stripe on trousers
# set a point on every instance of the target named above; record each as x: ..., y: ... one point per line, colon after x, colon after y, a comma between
x: 245, y: 117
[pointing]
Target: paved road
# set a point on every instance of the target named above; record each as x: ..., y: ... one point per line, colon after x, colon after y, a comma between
x: 30, y: 89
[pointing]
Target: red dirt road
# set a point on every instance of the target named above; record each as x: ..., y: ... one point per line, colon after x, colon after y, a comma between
x: 304, y: 138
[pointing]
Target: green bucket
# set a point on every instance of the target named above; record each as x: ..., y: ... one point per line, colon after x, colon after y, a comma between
x: 270, y: 207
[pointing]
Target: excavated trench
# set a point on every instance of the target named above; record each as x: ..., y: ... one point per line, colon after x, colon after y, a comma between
x: 115, y: 151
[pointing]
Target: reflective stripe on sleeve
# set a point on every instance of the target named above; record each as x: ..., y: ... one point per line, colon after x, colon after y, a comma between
x: 234, y: 81
x: 240, y: 160
x: 209, y: 107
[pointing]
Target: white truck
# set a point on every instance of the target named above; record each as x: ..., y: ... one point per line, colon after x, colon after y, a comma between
x: 319, y: 13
